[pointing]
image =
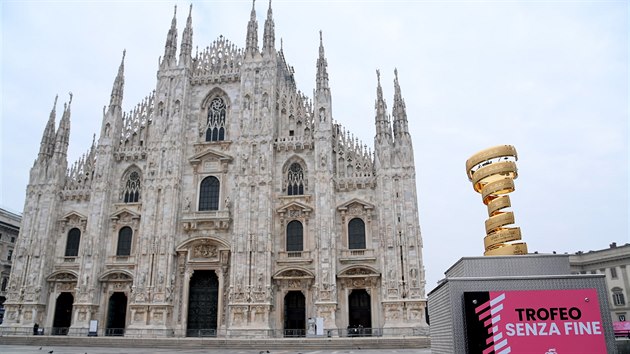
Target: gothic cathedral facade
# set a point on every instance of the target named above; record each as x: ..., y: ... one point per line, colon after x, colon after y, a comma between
x: 227, y: 202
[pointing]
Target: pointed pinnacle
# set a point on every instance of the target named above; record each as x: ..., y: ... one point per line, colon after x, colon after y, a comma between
x: 54, y: 108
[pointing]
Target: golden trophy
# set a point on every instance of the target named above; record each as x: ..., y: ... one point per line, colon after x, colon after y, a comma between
x: 492, y: 172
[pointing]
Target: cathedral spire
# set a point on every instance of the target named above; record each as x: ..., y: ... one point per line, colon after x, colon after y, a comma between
x: 322, y: 73
x: 185, y: 51
x: 170, y: 48
x: 62, y: 137
x: 383, y: 126
x: 119, y: 85
x: 252, y: 32
x: 269, y: 36
x: 399, y: 111
x: 48, y: 138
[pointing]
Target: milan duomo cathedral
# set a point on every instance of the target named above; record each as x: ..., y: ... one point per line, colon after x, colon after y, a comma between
x: 226, y: 203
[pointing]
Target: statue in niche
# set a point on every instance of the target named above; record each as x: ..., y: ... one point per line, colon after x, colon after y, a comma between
x: 228, y: 203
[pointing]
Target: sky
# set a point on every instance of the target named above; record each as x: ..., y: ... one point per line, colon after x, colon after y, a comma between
x: 549, y: 77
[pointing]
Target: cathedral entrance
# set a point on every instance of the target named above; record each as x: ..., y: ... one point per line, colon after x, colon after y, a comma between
x: 359, y: 313
x: 203, y: 301
x: 63, y: 314
x: 294, y: 314
x: 116, y: 314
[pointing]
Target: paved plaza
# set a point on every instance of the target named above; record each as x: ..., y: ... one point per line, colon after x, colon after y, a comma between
x: 20, y: 349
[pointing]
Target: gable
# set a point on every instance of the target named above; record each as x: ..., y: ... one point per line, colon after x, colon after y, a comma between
x: 125, y: 215
x: 294, y: 207
x: 357, y: 205
x: 209, y: 160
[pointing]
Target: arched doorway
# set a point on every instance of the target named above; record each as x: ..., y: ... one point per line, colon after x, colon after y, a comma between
x: 63, y: 314
x: 294, y: 314
x: 203, y: 301
x: 359, y: 313
x: 116, y: 314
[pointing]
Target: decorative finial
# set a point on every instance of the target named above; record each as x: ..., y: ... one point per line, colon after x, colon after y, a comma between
x: 378, y: 76
x: 396, y: 73
x: 175, y: 11
x: 124, y: 52
x: 281, y: 44
x: 55, y: 104
x: 190, y: 10
x: 320, y: 36
x: 70, y: 93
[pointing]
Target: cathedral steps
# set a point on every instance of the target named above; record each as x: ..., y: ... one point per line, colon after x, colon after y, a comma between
x: 219, y: 343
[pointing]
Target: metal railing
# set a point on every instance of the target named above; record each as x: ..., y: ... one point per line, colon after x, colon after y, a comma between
x: 114, y: 332
x: 219, y: 333
x: 209, y: 332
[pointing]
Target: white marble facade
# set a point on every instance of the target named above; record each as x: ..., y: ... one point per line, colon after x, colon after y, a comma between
x: 212, y: 172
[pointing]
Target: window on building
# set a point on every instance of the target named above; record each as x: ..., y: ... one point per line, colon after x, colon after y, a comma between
x: 215, y: 128
x: 356, y: 234
x: 9, y: 255
x: 295, y: 236
x: 618, y: 298
x: 209, y: 194
x: 124, y: 242
x: 613, y: 273
x: 132, y: 188
x: 12, y: 239
x: 295, y: 179
x: 622, y: 317
x: 4, y: 284
x: 72, y: 243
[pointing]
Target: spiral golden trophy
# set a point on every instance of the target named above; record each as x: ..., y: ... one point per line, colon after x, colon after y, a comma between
x: 492, y: 172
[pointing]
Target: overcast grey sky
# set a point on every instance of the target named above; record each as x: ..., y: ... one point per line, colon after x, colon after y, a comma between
x: 549, y: 77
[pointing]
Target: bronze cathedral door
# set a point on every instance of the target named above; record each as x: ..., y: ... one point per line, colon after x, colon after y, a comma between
x: 203, y: 304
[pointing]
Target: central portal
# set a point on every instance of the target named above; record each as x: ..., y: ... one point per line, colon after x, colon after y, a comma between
x: 63, y: 314
x: 203, y: 303
x: 294, y: 314
x: 116, y: 314
x: 360, y: 314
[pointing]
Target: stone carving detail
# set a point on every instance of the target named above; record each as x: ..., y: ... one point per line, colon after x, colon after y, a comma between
x: 204, y: 250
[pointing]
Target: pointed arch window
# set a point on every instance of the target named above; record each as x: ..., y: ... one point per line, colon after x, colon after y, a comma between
x: 132, y: 188
x: 209, y: 194
x: 215, y: 128
x: 295, y: 179
x: 295, y: 236
x: 124, y: 241
x: 72, y: 243
x: 356, y: 234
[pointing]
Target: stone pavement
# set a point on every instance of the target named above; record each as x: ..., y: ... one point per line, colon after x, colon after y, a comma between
x: 23, y: 349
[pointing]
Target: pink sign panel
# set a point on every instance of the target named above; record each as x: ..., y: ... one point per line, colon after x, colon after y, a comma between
x: 537, y: 321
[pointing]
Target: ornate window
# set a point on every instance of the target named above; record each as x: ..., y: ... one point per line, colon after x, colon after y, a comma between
x: 295, y: 177
x: 295, y: 236
x: 618, y: 298
x: 215, y: 128
x: 209, y: 194
x: 72, y: 243
x: 132, y: 188
x: 124, y: 241
x: 356, y: 234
